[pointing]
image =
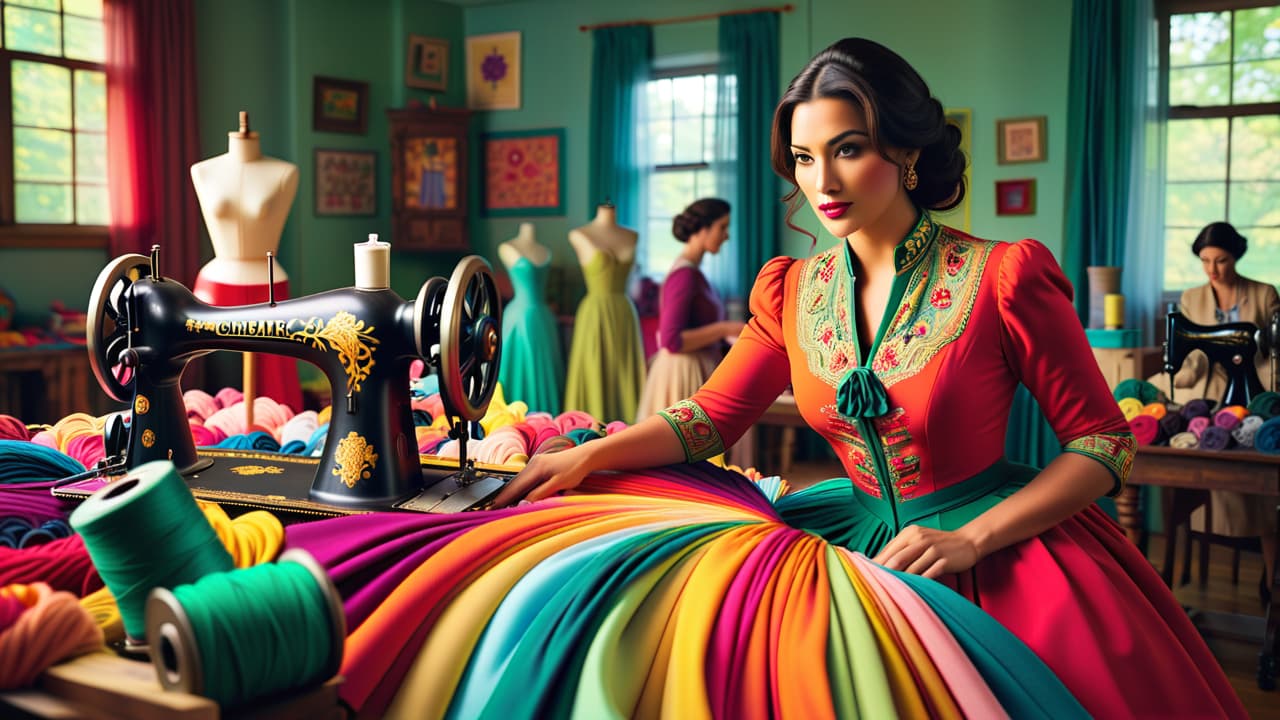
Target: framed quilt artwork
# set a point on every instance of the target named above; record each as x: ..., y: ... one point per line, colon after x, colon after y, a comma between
x: 346, y: 182
x: 429, y: 178
x: 522, y: 173
x: 493, y: 71
x: 339, y: 105
x: 1021, y: 140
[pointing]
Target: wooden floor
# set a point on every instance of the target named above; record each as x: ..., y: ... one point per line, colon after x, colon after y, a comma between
x: 1238, y: 656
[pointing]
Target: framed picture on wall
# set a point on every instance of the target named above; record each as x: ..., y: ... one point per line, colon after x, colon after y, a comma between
x: 522, y: 173
x: 346, y: 182
x: 427, y: 64
x: 493, y: 71
x: 1016, y: 197
x: 340, y: 105
x: 1021, y: 140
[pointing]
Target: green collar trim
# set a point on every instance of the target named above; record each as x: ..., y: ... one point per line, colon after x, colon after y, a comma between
x: 908, y: 252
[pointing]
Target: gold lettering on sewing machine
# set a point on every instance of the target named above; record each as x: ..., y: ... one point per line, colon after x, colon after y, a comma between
x: 344, y: 333
x: 257, y: 470
x: 353, y: 459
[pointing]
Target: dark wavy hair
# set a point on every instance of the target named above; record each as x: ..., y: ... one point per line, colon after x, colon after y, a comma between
x: 700, y: 214
x: 900, y: 111
x: 1221, y: 235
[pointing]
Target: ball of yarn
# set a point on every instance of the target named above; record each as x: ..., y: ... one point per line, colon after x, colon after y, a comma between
x: 1184, y: 441
x: 1144, y: 391
x: 11, y: 428
x: 52, y: 628
x: 1130, y: 407
x: 1267, y: 438
x: 1265, y: 405
x: 1172, y: 424
x: 1145, y: 429
x: 1226, y: 419
x: 1196, y: 425
x: 1199, y: 407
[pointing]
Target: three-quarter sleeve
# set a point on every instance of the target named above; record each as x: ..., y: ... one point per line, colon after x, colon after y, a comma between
x: 1048, y: 352
x: 678, y: 292
x: 749, y: 379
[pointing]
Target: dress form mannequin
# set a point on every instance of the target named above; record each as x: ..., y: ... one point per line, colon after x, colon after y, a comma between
x: 532, y: 368
x: 606, y: 362
x: 245, y: 198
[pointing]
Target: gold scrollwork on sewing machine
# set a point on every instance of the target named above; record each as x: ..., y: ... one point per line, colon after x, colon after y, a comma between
x: 148, y: 438
x: 257, y: 470
x: 141, y: 404
x: 354, y: 459
x: 344, y: 333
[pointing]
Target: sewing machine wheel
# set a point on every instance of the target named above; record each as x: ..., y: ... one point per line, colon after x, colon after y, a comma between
x: 427, y: 311
x: 470, y: 339
x: 107, y: 324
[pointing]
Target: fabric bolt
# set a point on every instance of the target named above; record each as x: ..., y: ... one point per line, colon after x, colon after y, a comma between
x: 1267, y: 437
x: 1145, y: 429
x: 1184, y: 441
x: 1156, y: 410
x: 1266, y: 405
x: 1141, y: 390
x: 1172, y: 424
x: 1199, y: 407
x: 1131, y: 407
x: 1239, y: 411
x: 606, y: 359
x: 1196, y: 425
x: 532, y: 367
x: 1226, y: 419
x: 1246, y: 430
x: 1215, y: 437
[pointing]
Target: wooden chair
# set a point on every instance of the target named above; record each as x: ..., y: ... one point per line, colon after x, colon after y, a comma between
x: 1178, y: 504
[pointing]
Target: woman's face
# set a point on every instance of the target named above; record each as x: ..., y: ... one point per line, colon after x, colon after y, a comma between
x: 715, y: 235
x: 1218, y: 264
x: 846, y: 180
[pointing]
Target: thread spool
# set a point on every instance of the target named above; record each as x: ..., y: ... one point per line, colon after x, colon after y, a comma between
x: 373, y: 264
x: 184, y: 665
x: 1113, y: 311
x: 143, y: 531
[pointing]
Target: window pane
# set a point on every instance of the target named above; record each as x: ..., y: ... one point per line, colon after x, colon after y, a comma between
x: 670, y: 192
x: 1199, y: 38
x: 1201, y: 86
x: 1196, y: 203
x: 91, y: 157
x: 41, y: 95
x: 32, y: 31
x: 1197, y: 149
x: 84, y: 39
x: 1257, y: 81
x: 1263, y: 261
x: 42, y: 203
x: 659, y: 95
x: 660, y: 141
x: 704, y: 184
x: 1181, y: 268
x: 1258, y: 33
x: 687, y: 95
x: 91, y: 100
x: 41, y: 155
x: 709, y: 148
x: 1254, y: 203
x: 88, y: 8
x: 91, y: 205
x: 1255, y: 148
x: 42, y: 4
x: 688, y: 140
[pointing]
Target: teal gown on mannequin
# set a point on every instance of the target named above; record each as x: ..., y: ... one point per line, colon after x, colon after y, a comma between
x: 606, y: 361
x: 532, y: 368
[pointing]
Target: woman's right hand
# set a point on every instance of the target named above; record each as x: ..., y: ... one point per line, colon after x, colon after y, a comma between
x: 544, y: 476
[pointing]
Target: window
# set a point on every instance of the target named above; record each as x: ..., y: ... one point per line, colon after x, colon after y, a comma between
x: 1223, y: 144
x: 53, y: 104
x: 682, y: 147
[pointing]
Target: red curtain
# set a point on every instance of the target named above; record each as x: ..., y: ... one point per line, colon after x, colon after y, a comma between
x: 152, y: 132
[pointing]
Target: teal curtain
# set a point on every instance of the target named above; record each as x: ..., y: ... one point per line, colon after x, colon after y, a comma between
x: 1114, y: 179
x: 619, y: 69
x: 746, y: 95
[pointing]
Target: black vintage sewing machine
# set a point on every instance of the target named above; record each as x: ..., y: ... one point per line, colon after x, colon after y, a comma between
x: 144, y: 328
x: 1230, y: 345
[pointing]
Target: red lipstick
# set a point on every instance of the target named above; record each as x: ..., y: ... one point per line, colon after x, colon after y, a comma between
x: 834, y: 210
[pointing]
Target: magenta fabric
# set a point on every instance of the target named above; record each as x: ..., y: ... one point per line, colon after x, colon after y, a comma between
x: 33, y: 503
x: 1145, y: 428
x: 1196, y: 425
x: 687, y: 302
x: 11, y: 608
x: 1226, y: 420
x: 153, y: 131
x: 64, y: 564
x: 11, y: 428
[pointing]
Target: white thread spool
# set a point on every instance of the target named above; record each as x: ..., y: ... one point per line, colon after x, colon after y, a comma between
x: 373, y: 264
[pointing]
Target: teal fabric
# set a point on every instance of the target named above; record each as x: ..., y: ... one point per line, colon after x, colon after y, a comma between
x: 1106, y: 74
x: 744, y: 177
x: 619, y: 68
x: 1029, y: 440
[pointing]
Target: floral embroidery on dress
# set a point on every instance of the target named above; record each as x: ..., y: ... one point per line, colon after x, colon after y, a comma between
x: 900, y: 453
x: 862, y: 469
x: 822, y: 318
x: 1115, y: 450
x: 949, y: 279
x: 699, y: 436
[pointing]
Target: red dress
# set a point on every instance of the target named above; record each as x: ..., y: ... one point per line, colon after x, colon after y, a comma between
x: 919, y: 423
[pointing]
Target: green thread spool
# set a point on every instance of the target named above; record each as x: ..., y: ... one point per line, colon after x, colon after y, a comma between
x: 145, y: 531
x: 238, y: 636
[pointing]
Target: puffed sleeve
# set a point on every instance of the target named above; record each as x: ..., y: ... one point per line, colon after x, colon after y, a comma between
x: 677, y: 299
x: 750, y: 378
x: 1047, y: 350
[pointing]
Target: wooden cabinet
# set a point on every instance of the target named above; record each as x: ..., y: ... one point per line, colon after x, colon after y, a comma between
x: 1119, y: 364
x: 429, y: 178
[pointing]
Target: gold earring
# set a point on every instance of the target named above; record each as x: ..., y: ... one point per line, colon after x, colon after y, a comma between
x: 910, y: 179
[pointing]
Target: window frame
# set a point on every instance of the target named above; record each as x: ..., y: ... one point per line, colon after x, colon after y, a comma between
x: 38, y: 235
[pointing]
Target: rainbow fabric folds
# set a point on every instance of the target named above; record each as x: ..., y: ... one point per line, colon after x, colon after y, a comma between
x: 676, y: 592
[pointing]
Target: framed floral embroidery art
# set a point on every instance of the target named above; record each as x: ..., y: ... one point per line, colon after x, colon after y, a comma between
x: 493, y: 71
x: 522, y: 173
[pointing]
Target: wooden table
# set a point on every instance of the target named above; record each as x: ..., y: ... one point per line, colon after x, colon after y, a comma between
x: 782, y: 413
x: 65, y: 374
x: 1243, y: 471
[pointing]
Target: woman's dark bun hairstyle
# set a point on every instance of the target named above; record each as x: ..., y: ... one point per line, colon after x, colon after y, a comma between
x: 701, y: 214
x: 1221, y: 235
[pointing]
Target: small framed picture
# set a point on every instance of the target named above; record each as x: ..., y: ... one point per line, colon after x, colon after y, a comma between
x: 1021, y: 140
x: 346, y: 182
x: 521, y: 172
x: 427, y: 63
x: 340, y: 105
x: 1016, y: 197
x: 493, y: 71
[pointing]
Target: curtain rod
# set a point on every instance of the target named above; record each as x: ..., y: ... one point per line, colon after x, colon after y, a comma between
x: 690, y: 18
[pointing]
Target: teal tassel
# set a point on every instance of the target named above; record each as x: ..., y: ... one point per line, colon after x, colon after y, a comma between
x: 861, y: 394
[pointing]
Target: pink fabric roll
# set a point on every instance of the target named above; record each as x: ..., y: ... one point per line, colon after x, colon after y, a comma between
x: 228, y: 396
x: 203, y: 436
x: 1226, y: 419
x: 88, y: 449
x: 1145, y: 428
x: 1196, y: 425
x: 200, y: 404
x: 614, y: 427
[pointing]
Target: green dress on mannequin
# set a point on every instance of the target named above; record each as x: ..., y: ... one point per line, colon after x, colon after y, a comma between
x: 532, y: 367
x: 606, y: 361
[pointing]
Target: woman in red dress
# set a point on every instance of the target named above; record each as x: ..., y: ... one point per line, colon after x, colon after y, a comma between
x: 904, y: 344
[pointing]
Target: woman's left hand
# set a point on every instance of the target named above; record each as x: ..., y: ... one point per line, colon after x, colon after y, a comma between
x: 928, y: 552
